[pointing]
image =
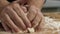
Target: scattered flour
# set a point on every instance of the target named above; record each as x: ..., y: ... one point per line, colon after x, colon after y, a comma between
x: 51, y: 25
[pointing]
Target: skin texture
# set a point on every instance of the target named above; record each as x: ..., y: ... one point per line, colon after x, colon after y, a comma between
x: 22, y: 2
x: 38, y: 3
x: 14, y: 17
x: 23, y: 16
x: 35, y: 14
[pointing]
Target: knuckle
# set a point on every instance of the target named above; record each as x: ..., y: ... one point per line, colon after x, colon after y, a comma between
x: 7, y: 7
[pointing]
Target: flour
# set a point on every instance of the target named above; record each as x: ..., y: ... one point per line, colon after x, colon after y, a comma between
x: 51, y: 24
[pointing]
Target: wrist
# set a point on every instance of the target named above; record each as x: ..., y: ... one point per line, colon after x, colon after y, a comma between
x: 34, y: 7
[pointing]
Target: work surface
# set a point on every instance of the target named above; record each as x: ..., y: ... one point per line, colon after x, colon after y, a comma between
x: 47, y: 28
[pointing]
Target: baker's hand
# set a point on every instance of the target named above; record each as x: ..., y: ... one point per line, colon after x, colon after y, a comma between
x: 34, y: 13
x: 14, y: 16
x: 36, y: 17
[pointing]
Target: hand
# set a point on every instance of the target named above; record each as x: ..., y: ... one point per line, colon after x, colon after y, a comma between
x: 33, y: 16
x: 36, y: 17
x: 14, y: 16
x: 34, y: 13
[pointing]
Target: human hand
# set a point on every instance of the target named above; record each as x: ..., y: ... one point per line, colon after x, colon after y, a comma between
x: 36, y: 17
x: 15, y: 18
x: 34, y: 13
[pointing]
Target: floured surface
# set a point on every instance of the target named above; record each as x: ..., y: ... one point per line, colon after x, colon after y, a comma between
x: 51, y: 26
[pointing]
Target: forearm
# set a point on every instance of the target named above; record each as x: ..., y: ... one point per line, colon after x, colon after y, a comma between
x: 36, y: 3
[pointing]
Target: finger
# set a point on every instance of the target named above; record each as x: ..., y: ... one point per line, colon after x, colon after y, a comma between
x: 27, y: 6
x: 13, y: 31
x: 36, y: 20
x: 41, y: 23
x: 21, y: 13
x: 24, y: 9
x: 18, y: 21
x: 7, y: 29
x: 32, y: 13
x: 42, y: 18
x: 9, y: 22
